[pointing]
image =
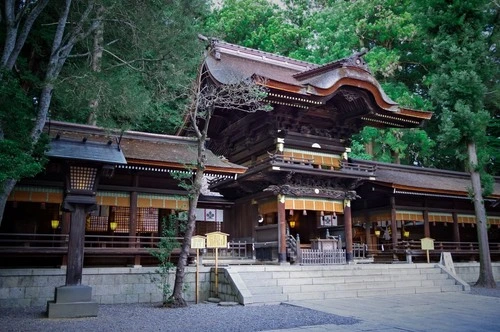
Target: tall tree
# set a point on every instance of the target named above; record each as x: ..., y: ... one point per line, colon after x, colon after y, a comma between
x: 18, y: 20
x: 244, y: 96
x: 136, y: 70
x: 109, y: 65
x: 465, y: 61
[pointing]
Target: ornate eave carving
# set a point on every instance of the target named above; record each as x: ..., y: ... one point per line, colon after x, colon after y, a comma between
x: 289, y: 190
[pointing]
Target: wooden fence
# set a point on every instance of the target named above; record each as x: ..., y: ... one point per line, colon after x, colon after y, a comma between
x: 322, y: 257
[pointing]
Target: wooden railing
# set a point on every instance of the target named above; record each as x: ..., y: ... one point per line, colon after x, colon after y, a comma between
x: 344, y: 166
x: 278, y: 158
x: 322, y: 257
x: 58, y: 243
x: 459, y: 250
x: 357, y: 168
x: 234, y: 250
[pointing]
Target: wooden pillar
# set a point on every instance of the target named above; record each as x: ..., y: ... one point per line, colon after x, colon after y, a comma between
x: 348, y: 230
x: 75, y: 246
x: 281, y: 229
x: 133, y: 216
x: 394, y: 226
x: 368, y: 227
x: 456, y: 229
x: 66, y: 220
x: 132, y: 232
x: 427, y: 229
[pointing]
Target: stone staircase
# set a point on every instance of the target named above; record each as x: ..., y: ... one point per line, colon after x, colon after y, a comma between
x: 273, y: 284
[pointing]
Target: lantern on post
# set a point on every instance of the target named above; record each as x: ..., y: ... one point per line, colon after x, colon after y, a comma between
x: 85, y: 162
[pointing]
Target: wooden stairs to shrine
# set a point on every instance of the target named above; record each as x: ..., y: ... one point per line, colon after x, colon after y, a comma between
x: 273, y: 284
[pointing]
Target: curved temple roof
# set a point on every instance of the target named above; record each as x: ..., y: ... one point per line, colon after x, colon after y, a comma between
x: 302, y: 84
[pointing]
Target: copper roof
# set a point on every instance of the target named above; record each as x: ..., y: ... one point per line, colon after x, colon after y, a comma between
x: 228, y: 63
x: 145, y: 149
x: 412, y: 179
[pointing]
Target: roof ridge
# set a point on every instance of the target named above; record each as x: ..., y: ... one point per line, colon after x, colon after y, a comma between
x: 96, y: 130
x: 400, y: 167
x: 286, y: 61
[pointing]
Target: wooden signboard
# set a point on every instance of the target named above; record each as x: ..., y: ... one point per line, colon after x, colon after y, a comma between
x: 197, y: 242
x: 216, y: 240
x: 427, y: 244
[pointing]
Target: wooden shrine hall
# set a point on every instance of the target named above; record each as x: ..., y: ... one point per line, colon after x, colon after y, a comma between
x: 278, y: 181
x: 300, y: 181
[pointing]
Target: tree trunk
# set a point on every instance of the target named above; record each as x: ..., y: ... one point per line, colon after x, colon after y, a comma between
x: 485, y: 270
x: 15, y: 39
x: 61, y: 48
x: 7, y: 187
x: 177, y: 300
x: 96, y: 58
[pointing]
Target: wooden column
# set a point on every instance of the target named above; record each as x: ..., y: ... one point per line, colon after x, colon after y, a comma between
x: 368, y: 227
x: 281, y: 229
x: 132, y: 232
x: 456, y: 229
x: 348, y: 230
x: 427, y: 228
x: 394, y: 226
x: 133, y: 242
x: 66, y: 220
x: 75, y: 246
x: 133, y: 216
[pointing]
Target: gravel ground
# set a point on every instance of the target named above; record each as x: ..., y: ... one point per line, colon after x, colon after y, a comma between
x: 194, y: 318
x: 201, y: 317
x: 494, y: 292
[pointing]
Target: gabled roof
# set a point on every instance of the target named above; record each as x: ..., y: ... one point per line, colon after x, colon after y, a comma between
x: 86, y: 151
x: 145, y: 149
x: 302, y: 84
x: 425, y: 181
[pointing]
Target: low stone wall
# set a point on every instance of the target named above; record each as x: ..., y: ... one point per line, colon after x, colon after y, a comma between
x: 227, y: 291
x: 34, y: 287
x: 469, y: 272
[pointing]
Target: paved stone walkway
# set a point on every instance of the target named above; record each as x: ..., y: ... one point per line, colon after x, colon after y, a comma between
x: 441, y: 312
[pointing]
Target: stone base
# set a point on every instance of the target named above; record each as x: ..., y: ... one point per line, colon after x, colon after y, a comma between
x: 72, y: 302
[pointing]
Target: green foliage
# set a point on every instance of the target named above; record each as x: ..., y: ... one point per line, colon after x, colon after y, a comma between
x: 121, y: 100
x: 410, y: 146
x: 17, y: 157
x: 150, y: 57
x: 428, y: 55
x: 163, y: 253
x: 465, y: 67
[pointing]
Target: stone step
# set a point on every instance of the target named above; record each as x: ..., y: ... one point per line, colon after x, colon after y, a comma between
x: 275, y: 284
x: 264, y: 290
x: 268, y: 299
x: 258, y: 279
x: 261, y: 282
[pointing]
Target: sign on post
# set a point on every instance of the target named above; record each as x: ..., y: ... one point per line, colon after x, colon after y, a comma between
x: 216, y: 240
x: 197, y: 242
x: 427, y: 244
